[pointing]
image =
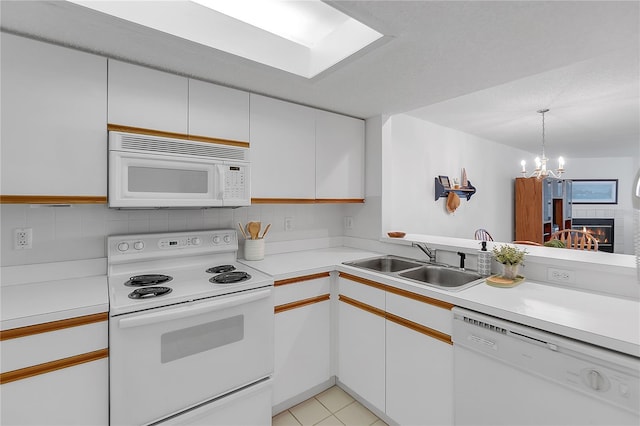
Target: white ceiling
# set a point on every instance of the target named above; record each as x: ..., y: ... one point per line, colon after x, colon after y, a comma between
x: 477, y: 66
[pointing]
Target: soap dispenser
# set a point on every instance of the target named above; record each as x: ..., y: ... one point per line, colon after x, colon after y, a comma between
x: 484, y: 260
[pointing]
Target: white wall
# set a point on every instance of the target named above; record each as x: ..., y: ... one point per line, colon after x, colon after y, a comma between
x: 623, y: 169
x: 78, y: 232
x: 418, y: 151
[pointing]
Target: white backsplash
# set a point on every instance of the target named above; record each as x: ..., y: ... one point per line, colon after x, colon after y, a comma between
x: 78, y: 232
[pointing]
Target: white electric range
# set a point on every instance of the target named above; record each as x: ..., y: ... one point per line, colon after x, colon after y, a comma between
x: 190, y: 331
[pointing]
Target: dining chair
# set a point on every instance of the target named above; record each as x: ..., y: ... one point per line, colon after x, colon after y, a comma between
x: 576, y: 239
x: 483, y: 235
x: 527, y: 243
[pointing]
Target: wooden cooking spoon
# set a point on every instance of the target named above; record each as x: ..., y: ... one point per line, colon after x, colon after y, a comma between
x: 254, y: 229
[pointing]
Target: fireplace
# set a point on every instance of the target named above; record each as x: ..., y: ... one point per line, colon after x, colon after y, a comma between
x: 600, y: 228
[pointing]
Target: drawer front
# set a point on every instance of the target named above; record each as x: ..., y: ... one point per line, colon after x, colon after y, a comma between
x: 35, y: 349
x: 367, y: 293
x: 300, y: 288
x: 423, y: 313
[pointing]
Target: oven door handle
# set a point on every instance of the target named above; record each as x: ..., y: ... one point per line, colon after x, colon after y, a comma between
x: 190, y: 310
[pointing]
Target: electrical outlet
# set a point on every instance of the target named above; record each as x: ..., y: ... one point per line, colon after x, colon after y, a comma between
x: 561, y: 275
x: 288, y: 224
x: 348, y: 222
x: 22, y: 238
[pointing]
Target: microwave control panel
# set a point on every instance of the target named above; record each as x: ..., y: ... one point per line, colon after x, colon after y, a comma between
x: 236, y: 182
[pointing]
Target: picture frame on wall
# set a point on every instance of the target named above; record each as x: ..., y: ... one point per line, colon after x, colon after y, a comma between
x: 594, y: 191
x: 444, y: 180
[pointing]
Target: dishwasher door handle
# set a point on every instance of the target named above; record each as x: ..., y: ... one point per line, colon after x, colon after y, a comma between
x: 482, y: 341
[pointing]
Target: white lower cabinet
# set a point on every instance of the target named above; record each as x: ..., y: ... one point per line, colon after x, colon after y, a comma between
x: 56, y: 373
x: 361, y: 341
x: 302, y: 337
x: 395, y: 351
x: 77, y: 395
x: 419, y: 378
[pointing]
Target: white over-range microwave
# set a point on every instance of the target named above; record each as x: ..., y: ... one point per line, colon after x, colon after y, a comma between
x: 154, y: 172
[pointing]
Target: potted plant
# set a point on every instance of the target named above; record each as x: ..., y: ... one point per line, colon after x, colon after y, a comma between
x: 511, y: 257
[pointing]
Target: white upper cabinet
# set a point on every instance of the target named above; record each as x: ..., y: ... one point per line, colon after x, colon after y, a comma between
x: 303, y: 153
x: 146, y: 98
x: 54, y: 111
x: 339, y: 156
x: 218, y: 112
x: 282, y: 149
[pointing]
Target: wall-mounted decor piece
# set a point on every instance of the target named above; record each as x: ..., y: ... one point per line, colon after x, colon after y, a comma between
x: 443, y: 191
x: 595, y: 191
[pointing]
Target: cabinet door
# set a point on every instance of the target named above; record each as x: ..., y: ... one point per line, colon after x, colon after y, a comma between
x: 302, y: 337
x: 146, y: 98
x: 77, y: 395
x: 218, y: 112
x: 339, y: 156
x: 282, y: 149
x: 54, y: 104
x: 361, y: 341
x: 419, y: 377
x: 419, y: 360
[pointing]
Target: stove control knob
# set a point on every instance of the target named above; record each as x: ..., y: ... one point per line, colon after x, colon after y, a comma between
x: 227, y: 238
x: 216, y: 239
x: 138, y: 245
x: 195, y: 241
x: 123, y: 246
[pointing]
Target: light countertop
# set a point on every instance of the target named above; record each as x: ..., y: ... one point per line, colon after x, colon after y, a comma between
x: 602, y: 320
x: 26, y: 298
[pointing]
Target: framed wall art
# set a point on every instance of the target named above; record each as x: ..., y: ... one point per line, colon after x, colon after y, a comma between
x: 444, y: 180
x: 594, y: 191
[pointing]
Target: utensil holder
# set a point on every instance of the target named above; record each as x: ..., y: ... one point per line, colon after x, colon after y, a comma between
x: 254, y: 249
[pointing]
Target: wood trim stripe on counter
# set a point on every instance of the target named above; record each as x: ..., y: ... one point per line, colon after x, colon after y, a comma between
x: 306, y: 200
x: 52, y: 199
x: 364, y: 281
x: 47, y: 367
x: 368, y: 308
x: 398, y: 291
x: 420, y: 328
x: 174, y: 135
x: 302, y: 278
x: 339, y: 200
x: 300, y: 303
x: 283, y: 201
x: 46, y: 327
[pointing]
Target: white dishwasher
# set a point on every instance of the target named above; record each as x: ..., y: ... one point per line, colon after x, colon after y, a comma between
x: 509, y: 374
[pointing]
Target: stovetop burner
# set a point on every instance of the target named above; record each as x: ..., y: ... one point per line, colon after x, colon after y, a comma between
x: 149, y: 292
x: 230, y: 277
x: 148, y: 279
x: 221, y: 268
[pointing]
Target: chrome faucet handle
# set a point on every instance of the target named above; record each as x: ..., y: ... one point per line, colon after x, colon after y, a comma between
x: 431, y: 253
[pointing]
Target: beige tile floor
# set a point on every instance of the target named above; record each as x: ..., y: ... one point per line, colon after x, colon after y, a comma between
x: 333, y: 407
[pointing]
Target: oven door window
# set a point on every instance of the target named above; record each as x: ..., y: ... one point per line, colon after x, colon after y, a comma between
x: 201, y: 338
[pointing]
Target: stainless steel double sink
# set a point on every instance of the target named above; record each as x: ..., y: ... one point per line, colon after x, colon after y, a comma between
x: 431, y: 274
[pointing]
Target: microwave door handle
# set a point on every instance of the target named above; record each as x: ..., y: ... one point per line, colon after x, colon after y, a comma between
x: 220, y: 170
x: 190, y: 310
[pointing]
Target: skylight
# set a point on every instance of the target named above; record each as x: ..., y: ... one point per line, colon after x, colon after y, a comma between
x: 304, y: 37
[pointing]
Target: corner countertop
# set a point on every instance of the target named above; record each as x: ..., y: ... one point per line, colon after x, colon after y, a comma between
x: 27, y: 298
x: 602, y: 320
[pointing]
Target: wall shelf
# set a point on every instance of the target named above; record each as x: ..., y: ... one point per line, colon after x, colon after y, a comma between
x: 466, y: 192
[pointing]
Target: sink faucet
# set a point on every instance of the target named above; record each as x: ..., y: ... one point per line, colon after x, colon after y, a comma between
x: 431, y: 253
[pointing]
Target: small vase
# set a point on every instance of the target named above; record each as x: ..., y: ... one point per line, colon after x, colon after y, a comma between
x: 510, y: 271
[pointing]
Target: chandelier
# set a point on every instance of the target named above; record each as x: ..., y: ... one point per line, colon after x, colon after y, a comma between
x: 541, y: 170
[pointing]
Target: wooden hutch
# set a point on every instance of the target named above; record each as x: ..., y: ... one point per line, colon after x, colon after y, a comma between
x: 542, y: 206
